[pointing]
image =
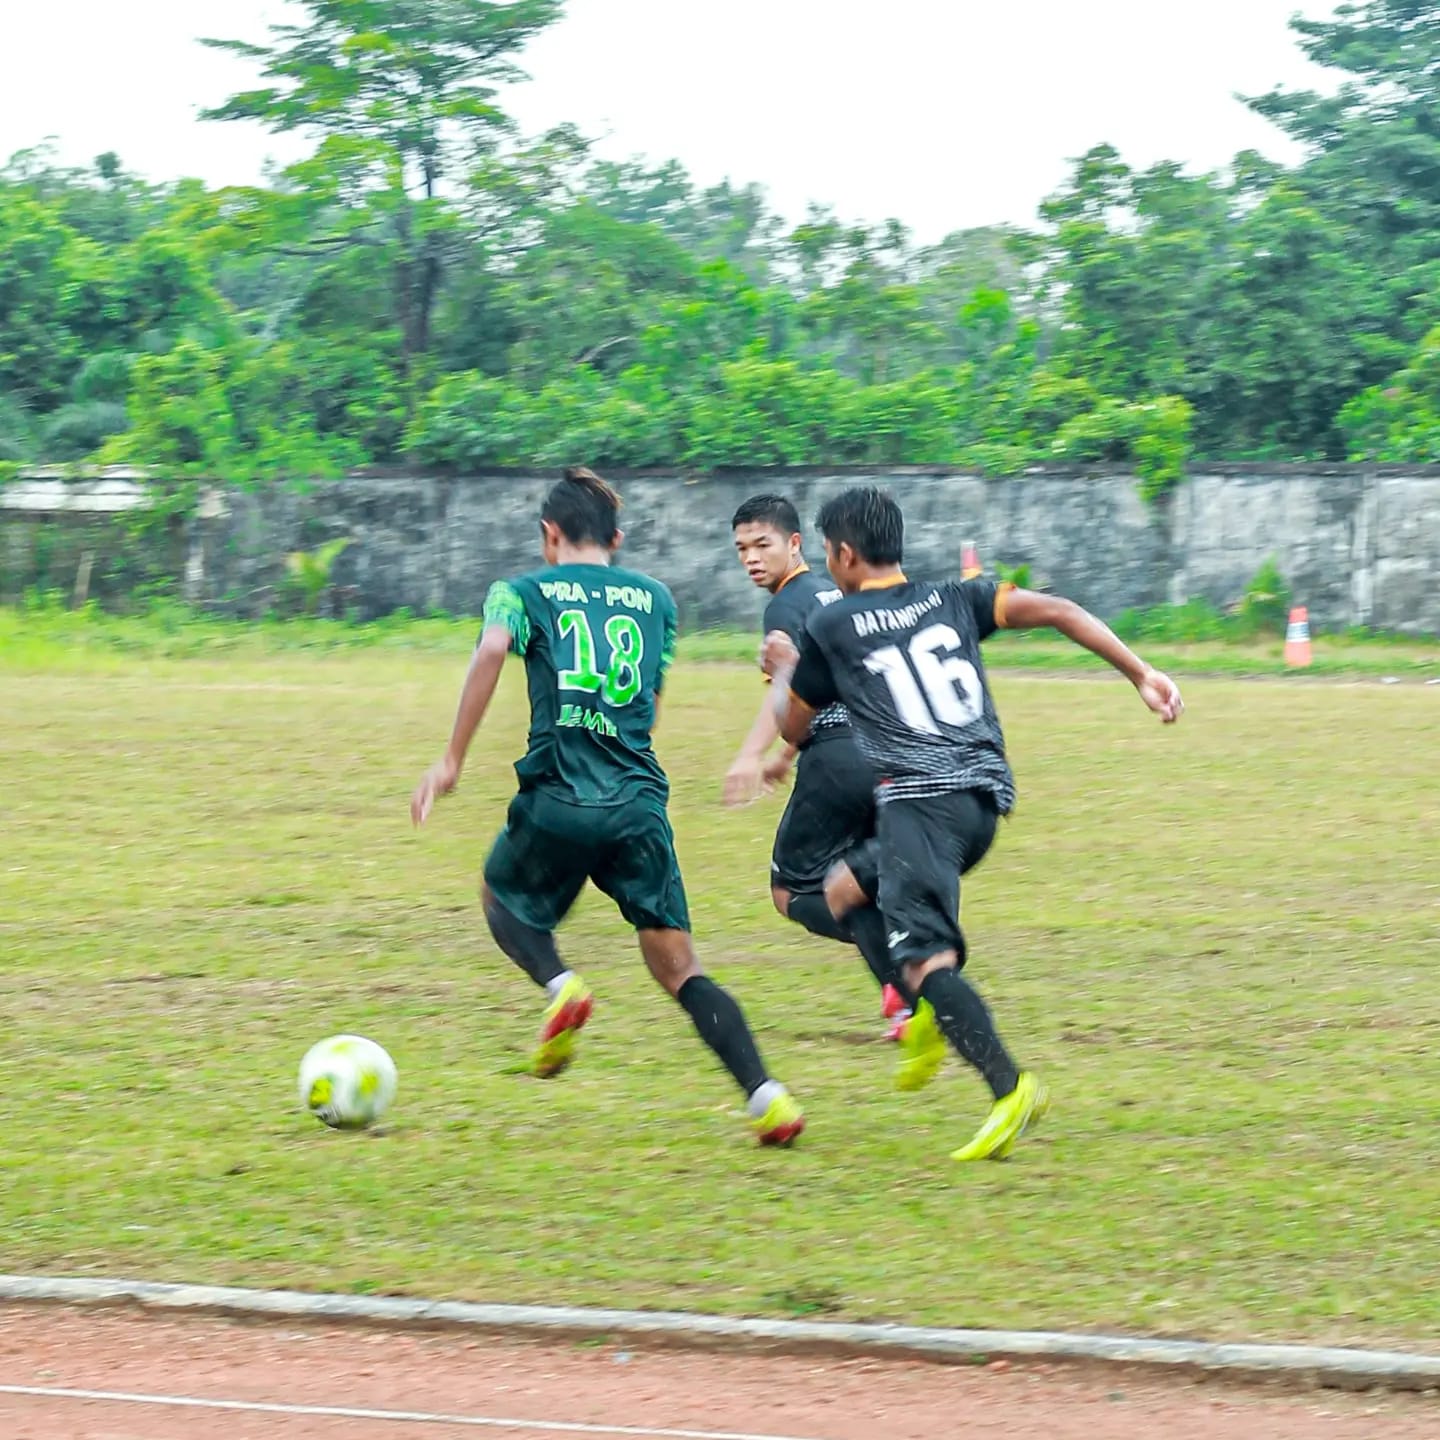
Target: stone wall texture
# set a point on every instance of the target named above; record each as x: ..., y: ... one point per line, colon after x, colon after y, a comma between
x: 1357, y: 545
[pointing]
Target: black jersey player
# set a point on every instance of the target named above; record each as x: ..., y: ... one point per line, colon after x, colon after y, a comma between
x: 597, y: 643
x: 904, y: 658
x: 824, y: 845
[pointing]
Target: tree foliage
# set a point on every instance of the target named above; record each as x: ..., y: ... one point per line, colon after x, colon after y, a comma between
x: 428, y: 284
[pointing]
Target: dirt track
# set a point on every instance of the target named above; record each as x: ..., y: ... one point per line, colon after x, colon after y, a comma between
x: 491, y: 1382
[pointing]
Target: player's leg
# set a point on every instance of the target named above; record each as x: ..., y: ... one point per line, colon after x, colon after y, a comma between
x: 850, y: 889
x: 532, y: 879
x: 925, y: 847
x: 829, y: 819
x: 721, y: 1024
x: 639, y: 870
x: 803, y: 848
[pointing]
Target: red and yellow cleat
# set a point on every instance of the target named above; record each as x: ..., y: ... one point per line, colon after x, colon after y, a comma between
x: 564, y: 1019
x: 782, y: 1121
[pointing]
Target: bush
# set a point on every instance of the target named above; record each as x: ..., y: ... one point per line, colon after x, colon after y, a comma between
x: 1265, y: 608
x: 17, y: 430
x: 105, y: 376
x: 1188, y: 624
x: 1152, y: 434
x: 75, y: 431
x: 758, y: 410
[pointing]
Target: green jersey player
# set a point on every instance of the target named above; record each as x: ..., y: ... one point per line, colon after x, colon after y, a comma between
x: 597, y: 642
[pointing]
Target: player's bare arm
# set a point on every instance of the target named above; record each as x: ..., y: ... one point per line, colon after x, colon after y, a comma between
x: 1029, y: 610
x: 479, y: 689
x: 779, y: 765
x: 778, y: 659
x: 749, y: 775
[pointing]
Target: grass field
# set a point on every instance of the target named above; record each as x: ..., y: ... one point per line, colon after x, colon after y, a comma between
x: 1219, y: 942
x: 1191, y: 639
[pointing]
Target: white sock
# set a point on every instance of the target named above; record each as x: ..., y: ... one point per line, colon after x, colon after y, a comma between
x: 554, y: 987
x: 759, y: 1102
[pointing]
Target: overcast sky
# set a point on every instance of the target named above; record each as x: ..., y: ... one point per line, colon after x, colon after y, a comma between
x: 944, y: 113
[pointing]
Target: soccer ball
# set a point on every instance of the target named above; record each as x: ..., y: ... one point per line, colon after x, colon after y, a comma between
x: 347, y: 1081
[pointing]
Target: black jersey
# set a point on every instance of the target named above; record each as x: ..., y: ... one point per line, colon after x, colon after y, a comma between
x: 905, y: 661
x: 789, y: 609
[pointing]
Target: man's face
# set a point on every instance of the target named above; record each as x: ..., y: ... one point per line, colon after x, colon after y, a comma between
x: 767, y: 554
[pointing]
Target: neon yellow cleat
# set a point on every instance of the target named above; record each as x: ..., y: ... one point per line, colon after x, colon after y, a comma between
x: 782, y: 1121
x: 564, y: 1019
x: 1010, y: 1117
x: 922, y: 1050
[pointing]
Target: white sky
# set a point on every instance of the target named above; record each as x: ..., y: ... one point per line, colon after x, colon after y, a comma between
x: 944, y: 113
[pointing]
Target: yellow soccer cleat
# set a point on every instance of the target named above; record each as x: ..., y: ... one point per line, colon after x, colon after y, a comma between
x: 782, y: 1121
x: 1010, y: 1117
x: 564, y: 1019
x: 922, y: 1050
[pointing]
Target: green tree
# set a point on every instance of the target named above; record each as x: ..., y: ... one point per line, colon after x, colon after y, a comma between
x: 1374, y: 144
x: 1400, y: 420
x: 401, y: 95
x: 1134, y: 265
x: 39, y: 255
x: 1298, y: 330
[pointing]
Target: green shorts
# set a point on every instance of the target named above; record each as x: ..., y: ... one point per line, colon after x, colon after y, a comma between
x: 550, y: 847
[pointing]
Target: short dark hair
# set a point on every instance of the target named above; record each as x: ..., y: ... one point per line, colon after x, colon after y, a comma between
x: 772, y: 510
x: 868, y: 521
x: 583, y: 506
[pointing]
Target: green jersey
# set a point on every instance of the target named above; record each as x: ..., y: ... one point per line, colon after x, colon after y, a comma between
x: 597, y: 641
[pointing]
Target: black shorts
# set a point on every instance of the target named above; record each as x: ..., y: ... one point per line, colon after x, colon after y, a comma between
x: 831, y: 813
x: 550, y: 847
x: 926, y: 845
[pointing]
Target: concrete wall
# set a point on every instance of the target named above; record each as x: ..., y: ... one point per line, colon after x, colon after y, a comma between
x: 1357, y: 545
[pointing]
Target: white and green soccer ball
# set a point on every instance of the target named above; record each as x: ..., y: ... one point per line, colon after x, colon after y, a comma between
x: 347, y: 1081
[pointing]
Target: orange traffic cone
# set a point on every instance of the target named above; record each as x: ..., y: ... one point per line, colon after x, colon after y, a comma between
x: 1297, y: 638
x: 970, y: 565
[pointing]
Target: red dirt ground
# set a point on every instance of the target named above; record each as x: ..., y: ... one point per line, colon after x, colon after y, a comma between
x: 760, y: 1395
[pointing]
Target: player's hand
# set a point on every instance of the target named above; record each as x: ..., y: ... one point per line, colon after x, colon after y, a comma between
x: 777, y: 769
x: 439, y: 779
x: 778, y: 653
x: 745, y: 781
x: 1162, y: 695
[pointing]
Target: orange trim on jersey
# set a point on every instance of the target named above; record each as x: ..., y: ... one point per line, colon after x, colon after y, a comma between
x: 801, y: 569
x: 888, y: 583
x: 1002, y: 595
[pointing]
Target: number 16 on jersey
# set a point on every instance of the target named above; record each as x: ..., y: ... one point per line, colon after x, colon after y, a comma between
x: 931, y: 683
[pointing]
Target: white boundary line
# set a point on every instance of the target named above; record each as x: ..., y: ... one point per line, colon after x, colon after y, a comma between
x: 1350, y: 1369
x: 346, y: 1412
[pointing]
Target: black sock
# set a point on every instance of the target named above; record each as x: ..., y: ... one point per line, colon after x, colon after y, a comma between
x: 722, y: 1027
x: 867, y: 930
x: 811, y: 911
x: 532, y: 950
x: 969, y: 1028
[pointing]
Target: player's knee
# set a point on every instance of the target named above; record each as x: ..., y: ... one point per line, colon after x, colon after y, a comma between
x: 842, y: 891
x: 781, y: 898
x: 915, y: 971
x: 673, y: 975
x: 670, y: 957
